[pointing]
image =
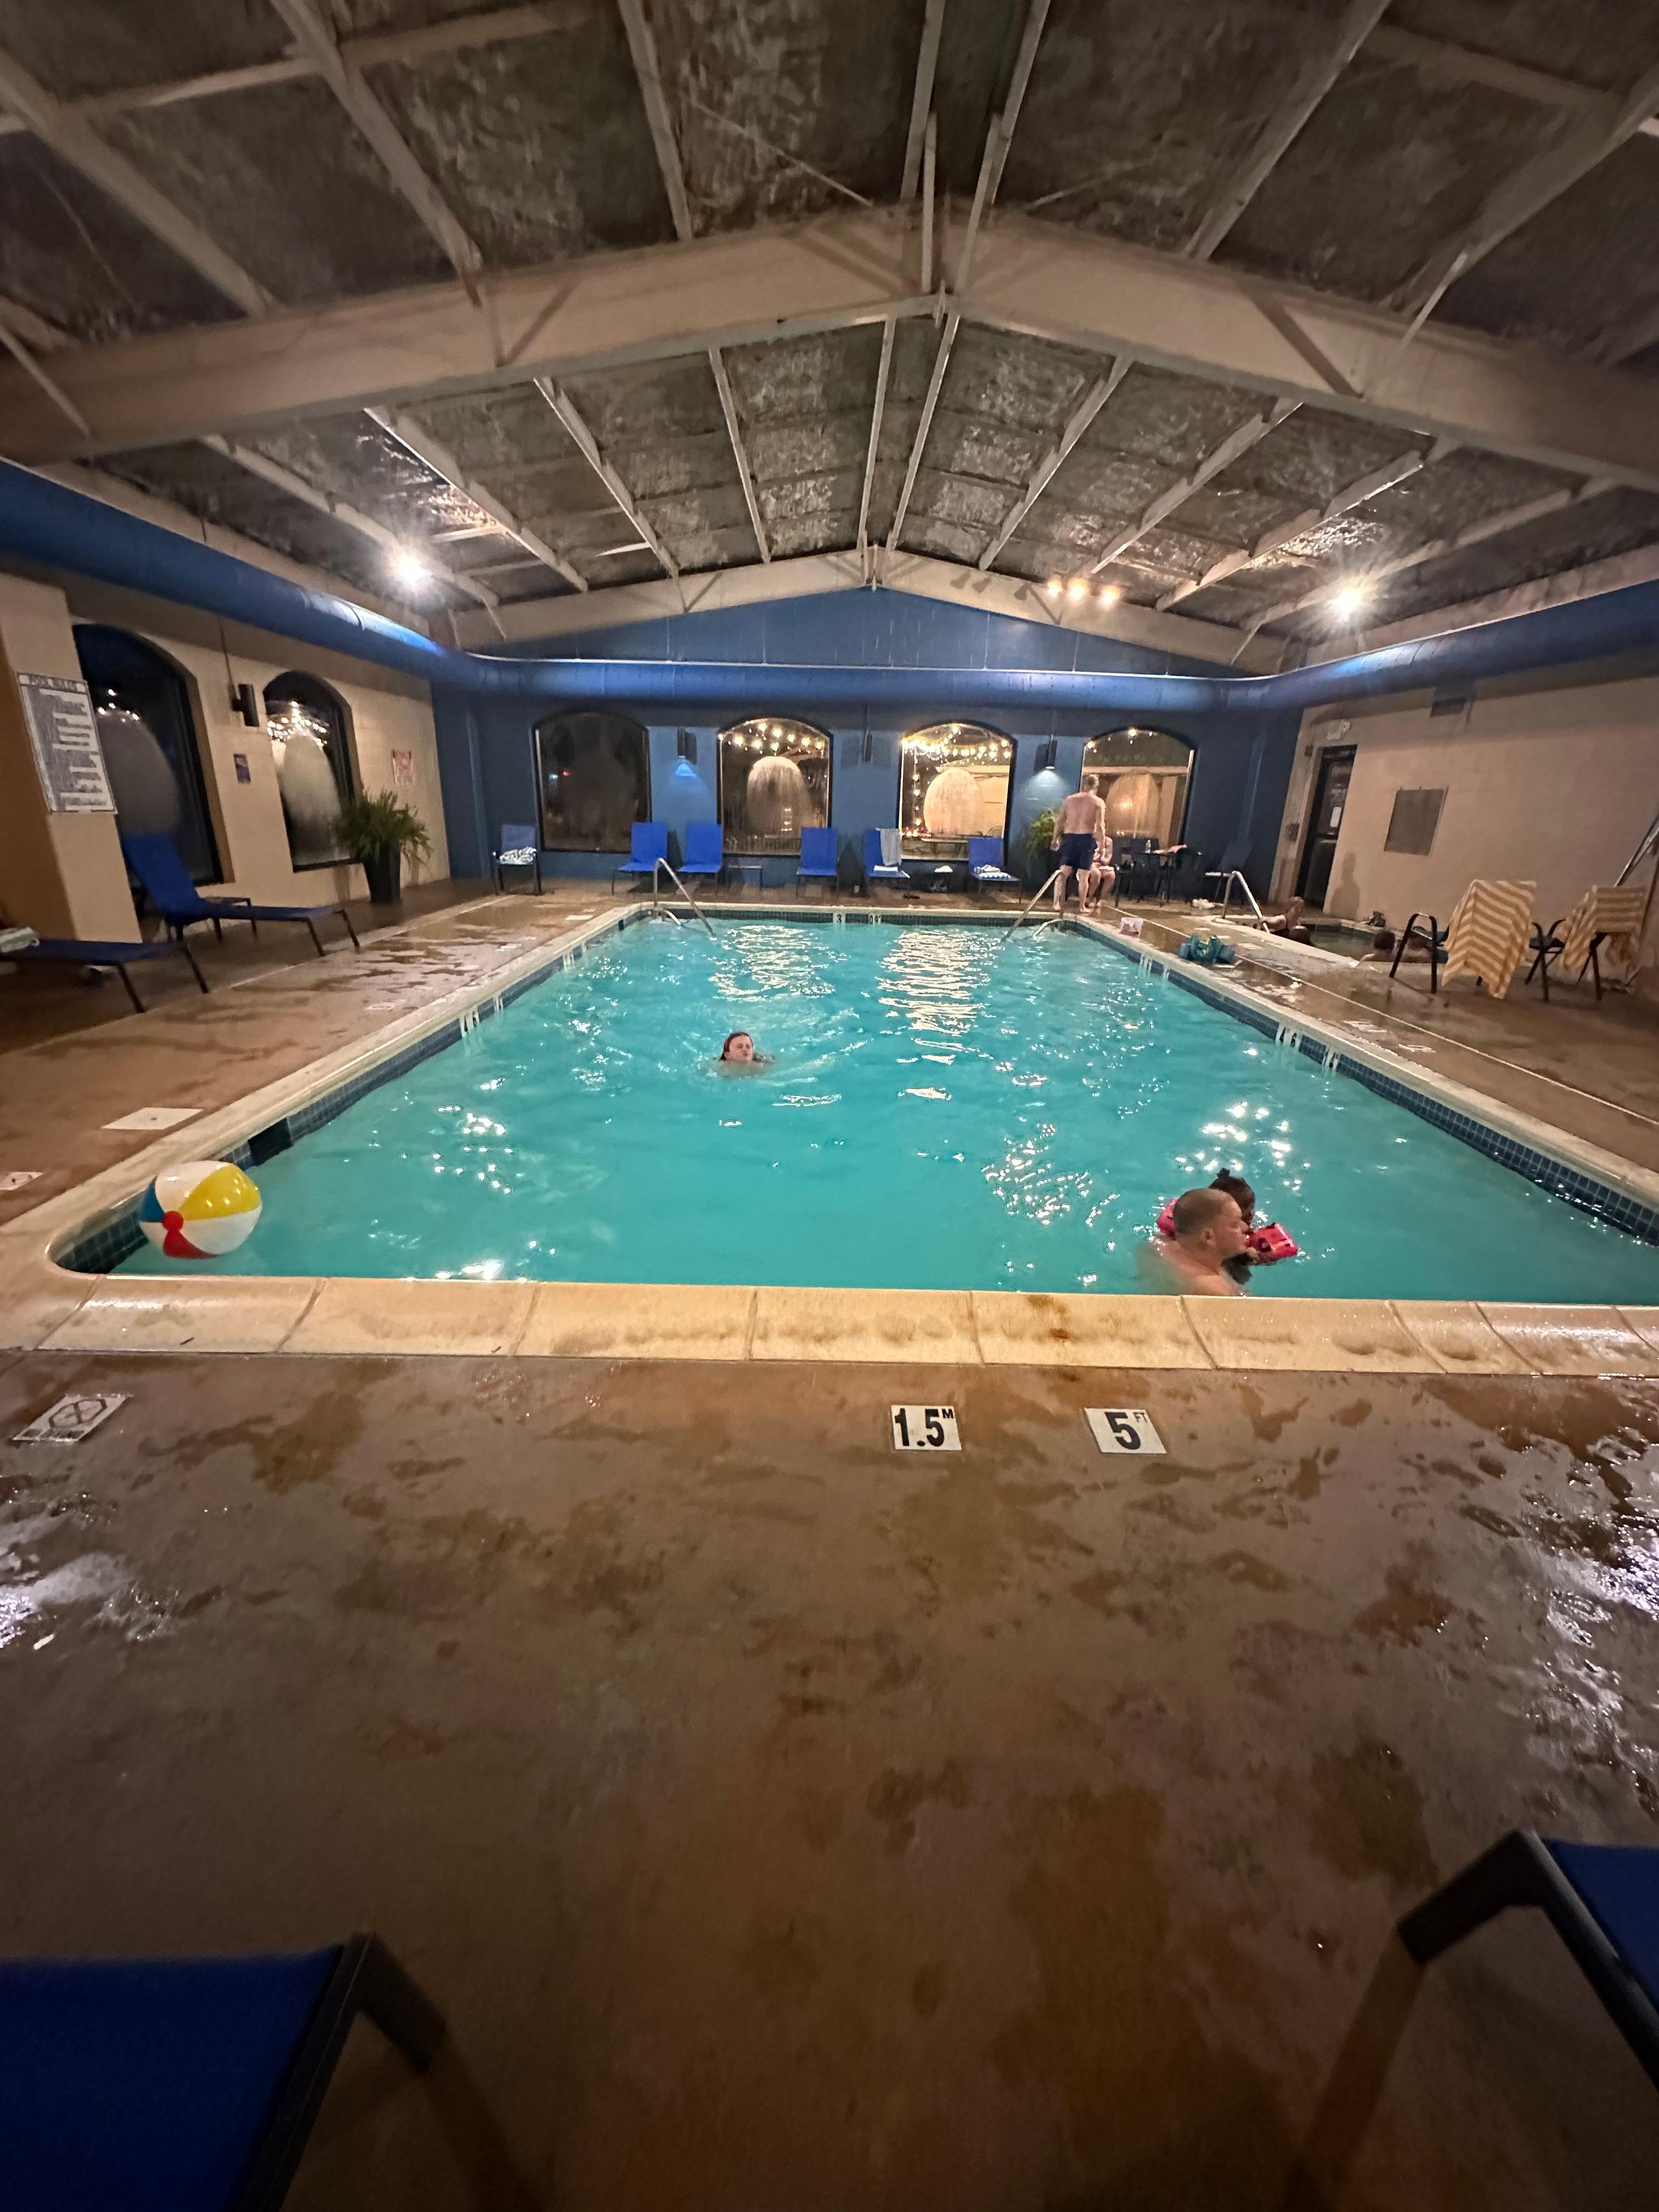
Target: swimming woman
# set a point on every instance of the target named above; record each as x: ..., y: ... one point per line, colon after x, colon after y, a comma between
x: 738, y: 1051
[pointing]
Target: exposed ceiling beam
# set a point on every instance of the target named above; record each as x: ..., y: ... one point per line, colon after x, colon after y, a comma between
x: 352, y: 518
x: 1624, y: 341
x: 1597, y: 133
x: 1453, y: 64
x: 417, y: 439
x: 947, y: 339
x: 1371, y: 485
x: 1046, y: 470
x: 370, y: 50
x: 1031, y: 278
x: 36, y: 333
x: 79, y: 144
x: 921, y: 97
x: 1327, y: 60
x: 24, y: 356
x: 643, y: 46
x: 734, y: 431
x: 316, y: 40
x: 998, y: 139
x: 569, y: 413
x: 1220, y: 457
x: 889, y: 331
x: 1001, y: 136
x: 1491, y: 526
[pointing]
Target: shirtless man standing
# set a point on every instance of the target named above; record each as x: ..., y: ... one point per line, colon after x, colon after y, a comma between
x: 1079, y: 826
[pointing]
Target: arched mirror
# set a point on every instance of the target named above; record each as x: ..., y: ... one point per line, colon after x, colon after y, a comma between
x: 1142, y: 776
x: 953, y: 784
x: 147, y: 726
x: 774, y: 782
x: 594, y: 774
x: 307, y: 725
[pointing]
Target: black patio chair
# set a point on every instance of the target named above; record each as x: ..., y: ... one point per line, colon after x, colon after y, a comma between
x: 1433, y: 939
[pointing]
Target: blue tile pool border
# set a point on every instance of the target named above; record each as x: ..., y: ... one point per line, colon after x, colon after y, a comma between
x: 103, y: 1245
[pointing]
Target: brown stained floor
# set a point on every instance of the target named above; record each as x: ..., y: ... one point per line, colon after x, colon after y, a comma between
x: 782, y: 1821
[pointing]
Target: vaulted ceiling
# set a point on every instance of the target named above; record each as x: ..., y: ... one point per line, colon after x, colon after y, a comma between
x: 1271, y: 319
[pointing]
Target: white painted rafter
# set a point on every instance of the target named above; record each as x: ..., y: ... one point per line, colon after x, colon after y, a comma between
x: 1439, y: 59
x: 888, y: 332
x: 1371, y: 485
x: 922, y: 96
x: 840, y: 271
x: 434, y: 454
x: 1327, y: 58
x: 947, y: 339
x: 315, y: 37
x: 1598, y: 132
x: 587, y: 445
x: 1237, y: 442
x: 71, y: 137
x: 1047, y: 469
x: 368, y: 49
x: 642, y: 47
x: 734, y: 431
x: 352, y: 518
x: 1435, y: 549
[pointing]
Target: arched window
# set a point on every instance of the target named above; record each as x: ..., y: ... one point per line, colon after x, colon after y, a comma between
x: 953, y: 784
x: 147, y: 726
x: 307, y: 725
x: 1142, y: 776
x: 594, y: 774
x: 774, y: 782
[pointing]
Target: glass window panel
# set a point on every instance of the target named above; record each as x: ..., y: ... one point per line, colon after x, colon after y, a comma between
x: 953, y: 784
x: 1142, y: 777
x: 307, y: 725
x: 148, y: 728
x: 594, y: 782
x: 774, y: 782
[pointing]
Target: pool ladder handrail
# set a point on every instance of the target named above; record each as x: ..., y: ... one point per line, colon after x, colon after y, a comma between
x: 1233, y: 876
x: 1025, y: 910
x: 663, y: 861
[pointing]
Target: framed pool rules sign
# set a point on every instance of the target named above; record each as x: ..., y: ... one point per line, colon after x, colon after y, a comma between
x: 64, y: 737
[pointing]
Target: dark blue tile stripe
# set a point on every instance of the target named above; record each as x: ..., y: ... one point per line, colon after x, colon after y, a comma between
x: 116, y: 1235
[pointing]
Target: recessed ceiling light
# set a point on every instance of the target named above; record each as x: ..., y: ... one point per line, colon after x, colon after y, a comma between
x: 1076, y: 588
x: 1349, y: 601
x: 410, y: 569
x: 1109, y: 595
x: 1053, y: 586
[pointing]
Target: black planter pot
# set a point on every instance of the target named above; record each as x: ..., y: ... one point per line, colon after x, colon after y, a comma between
x: 384, y: 868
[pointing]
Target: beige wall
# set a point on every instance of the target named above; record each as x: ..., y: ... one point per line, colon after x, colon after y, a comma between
x: 62, y: 874
x: 1554, y: 784
x: 384, y: 710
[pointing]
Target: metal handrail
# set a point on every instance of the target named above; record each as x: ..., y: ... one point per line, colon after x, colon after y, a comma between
x: 1648, y: 843
x: 1234, y: 877
x: 1025, y: 910
x: 663, y: 862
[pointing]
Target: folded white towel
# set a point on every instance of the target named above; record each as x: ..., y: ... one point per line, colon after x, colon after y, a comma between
x: 892, y: 847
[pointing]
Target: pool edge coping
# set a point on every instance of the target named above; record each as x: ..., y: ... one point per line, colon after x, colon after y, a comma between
x: 46, y: 1306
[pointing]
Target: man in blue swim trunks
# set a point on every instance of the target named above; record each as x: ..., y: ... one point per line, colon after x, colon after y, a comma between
x: 1078, y: 828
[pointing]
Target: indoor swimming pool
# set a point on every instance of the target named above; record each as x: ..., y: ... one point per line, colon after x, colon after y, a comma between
x: 943, y: 1105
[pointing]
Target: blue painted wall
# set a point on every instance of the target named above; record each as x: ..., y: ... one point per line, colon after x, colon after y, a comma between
x: 1241, y: 767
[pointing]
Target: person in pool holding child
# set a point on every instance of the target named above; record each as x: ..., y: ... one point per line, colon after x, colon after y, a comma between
x: 1208, y: 1244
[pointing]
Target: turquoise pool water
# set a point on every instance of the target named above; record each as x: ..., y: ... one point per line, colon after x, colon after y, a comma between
x: 945, y: 1107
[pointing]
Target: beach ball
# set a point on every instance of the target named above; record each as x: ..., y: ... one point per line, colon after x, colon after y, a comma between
x: 199, y: 1210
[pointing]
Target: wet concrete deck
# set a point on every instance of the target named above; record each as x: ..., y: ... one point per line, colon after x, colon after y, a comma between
x: 781, y: 1820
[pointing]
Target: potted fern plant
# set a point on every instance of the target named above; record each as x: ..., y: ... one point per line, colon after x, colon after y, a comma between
x: 377, y: 829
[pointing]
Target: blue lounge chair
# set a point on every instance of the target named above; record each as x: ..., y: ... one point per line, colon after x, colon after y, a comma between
x: 108, y: 952
x: 520, y: 847
x: 876, y: 870
x: 648, y: 844
x: 705, y: 850
x: 184, y: 2085
x: 169, y: 890
x: 985, y: 862
x: 1602, y: 1899
x: 818, y: 861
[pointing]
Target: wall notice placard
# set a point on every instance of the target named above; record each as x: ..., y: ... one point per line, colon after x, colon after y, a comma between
x: 402, y: 765
x: 64, y: 736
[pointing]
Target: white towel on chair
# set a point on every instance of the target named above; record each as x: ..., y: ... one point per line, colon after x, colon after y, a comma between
x: 1488, y: 933
x: 1612, y: 912
x: 893, y: 845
